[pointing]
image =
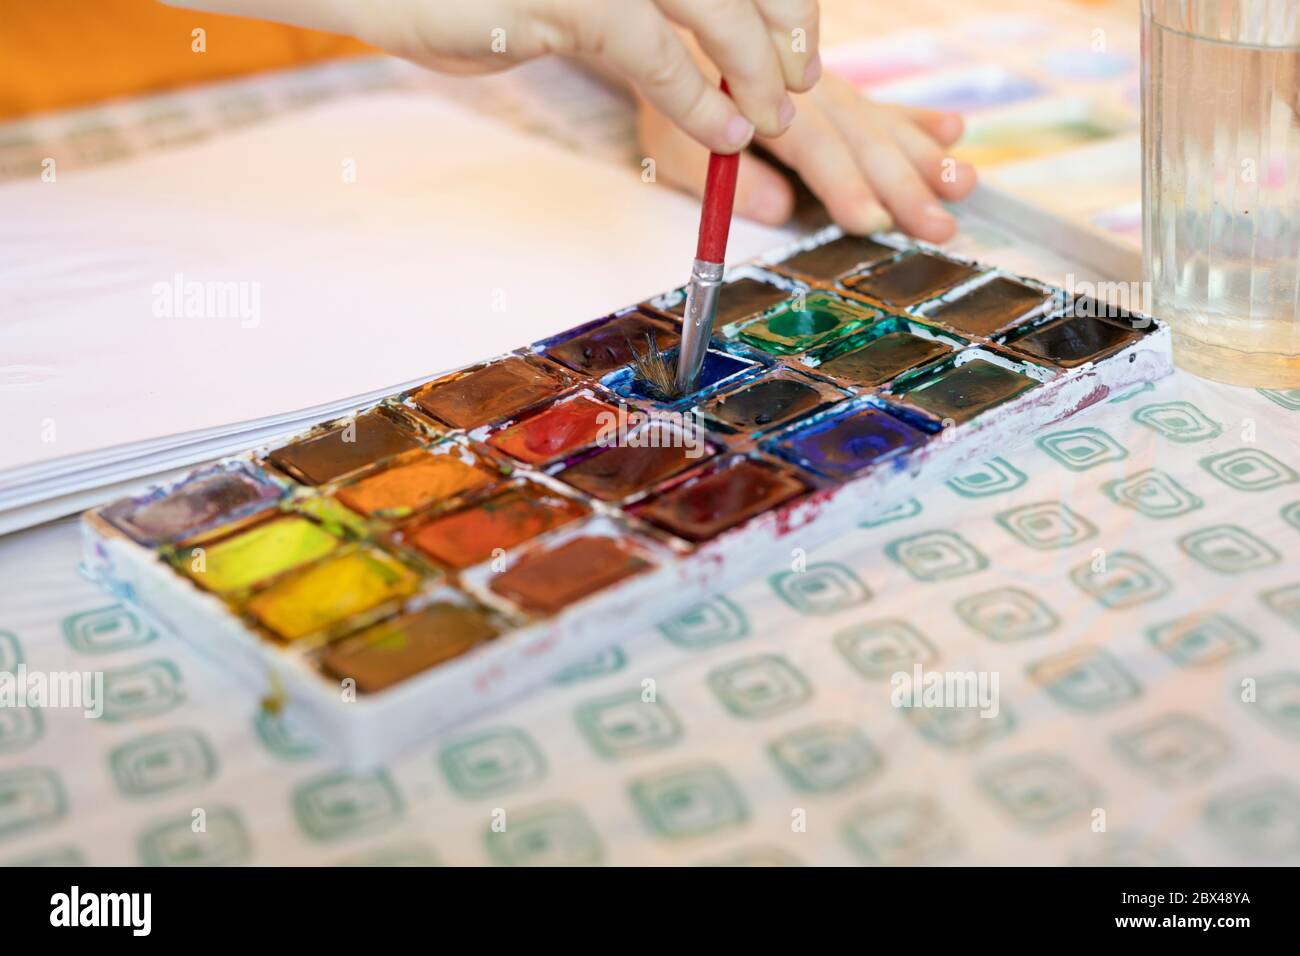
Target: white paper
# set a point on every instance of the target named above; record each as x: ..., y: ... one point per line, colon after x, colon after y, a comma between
x: 375, y: 242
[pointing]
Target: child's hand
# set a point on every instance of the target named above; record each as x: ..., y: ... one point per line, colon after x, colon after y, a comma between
x: 870, y: 164
x: 765, y: 48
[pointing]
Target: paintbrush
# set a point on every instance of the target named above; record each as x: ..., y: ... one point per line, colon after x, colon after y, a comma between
x: 655, y: 369
x: 706, y: 272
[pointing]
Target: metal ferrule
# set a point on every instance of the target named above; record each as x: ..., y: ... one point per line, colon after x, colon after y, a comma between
x: 697, y: 322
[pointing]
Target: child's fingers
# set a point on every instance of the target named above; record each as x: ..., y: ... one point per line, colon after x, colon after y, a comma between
x: 944, y: 128
x: 892, y: 176
x: 762, y: 193
x: 822, y: 159
x: 638, y: 40
x: 735, y: 38
x: 793, y: 26
x: 946, y: 176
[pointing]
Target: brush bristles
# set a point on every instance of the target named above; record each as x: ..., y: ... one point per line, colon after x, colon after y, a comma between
x: 656, y: 370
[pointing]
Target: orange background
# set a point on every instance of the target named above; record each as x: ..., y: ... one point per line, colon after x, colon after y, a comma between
x: 57, y: 53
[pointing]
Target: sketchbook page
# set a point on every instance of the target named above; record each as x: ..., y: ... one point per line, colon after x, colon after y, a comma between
x: 327, y: 254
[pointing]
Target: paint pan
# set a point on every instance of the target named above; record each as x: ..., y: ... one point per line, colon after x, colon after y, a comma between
x: 884, y: 351
x: 256, y: 554
x: 723, y: 497
x: 344, y: 449
x: 739, y: 299
x: 990, y: 307
x: 500, y: 522
x: 645, y: 457
x: 331, y: 592
x: 546, y: 581
x: 1086, y: 63
x: 490, y: 392
x: 747, y: 291
x: 1009, y: 142
x: 606, y: 344
x: 719, y: 369
x: 1097, y: 309
x: 1040, y: 128
x: 965, y: 90
x: 397, y: 649
x: 958, y: 392
x: 206, y: 499
x: 419, y: 480
x: 802, y: 325
x: 334, y: 516
x: 844, y: 444
x: 834, y: 260
x: 557, y: 430
x: 1001, y: 31
x: 912, y: 279
x: 1074, y: 339
x: 866, y: 63
x: 768, y: 402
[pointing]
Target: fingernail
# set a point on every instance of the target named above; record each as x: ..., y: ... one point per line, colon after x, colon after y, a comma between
x: 739, y: 131
x: 937, y: 213
x: 785, y: 116
x: 814, y: 71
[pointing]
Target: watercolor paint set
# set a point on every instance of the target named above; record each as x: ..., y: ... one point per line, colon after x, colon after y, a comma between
x: 1052, y: 113
x: 391, y: 573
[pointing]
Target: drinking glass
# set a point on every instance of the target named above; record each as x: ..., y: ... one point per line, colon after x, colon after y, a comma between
x: 1221, y: 184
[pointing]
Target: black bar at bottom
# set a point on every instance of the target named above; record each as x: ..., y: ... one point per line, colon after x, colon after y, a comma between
x: 334, y: 906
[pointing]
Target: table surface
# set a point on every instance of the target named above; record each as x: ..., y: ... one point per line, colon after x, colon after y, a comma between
x: 1129, y: 578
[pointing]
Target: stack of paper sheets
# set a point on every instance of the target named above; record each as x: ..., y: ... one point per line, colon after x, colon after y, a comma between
x: 183, y: 306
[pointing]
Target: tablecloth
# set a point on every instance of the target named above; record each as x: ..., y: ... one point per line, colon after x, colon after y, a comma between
x: 1130, y: 577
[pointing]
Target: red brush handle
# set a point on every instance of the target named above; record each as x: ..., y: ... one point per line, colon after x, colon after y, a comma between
x: 719, y: 196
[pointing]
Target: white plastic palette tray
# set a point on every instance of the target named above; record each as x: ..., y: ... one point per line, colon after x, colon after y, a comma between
x: 859, y: 447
